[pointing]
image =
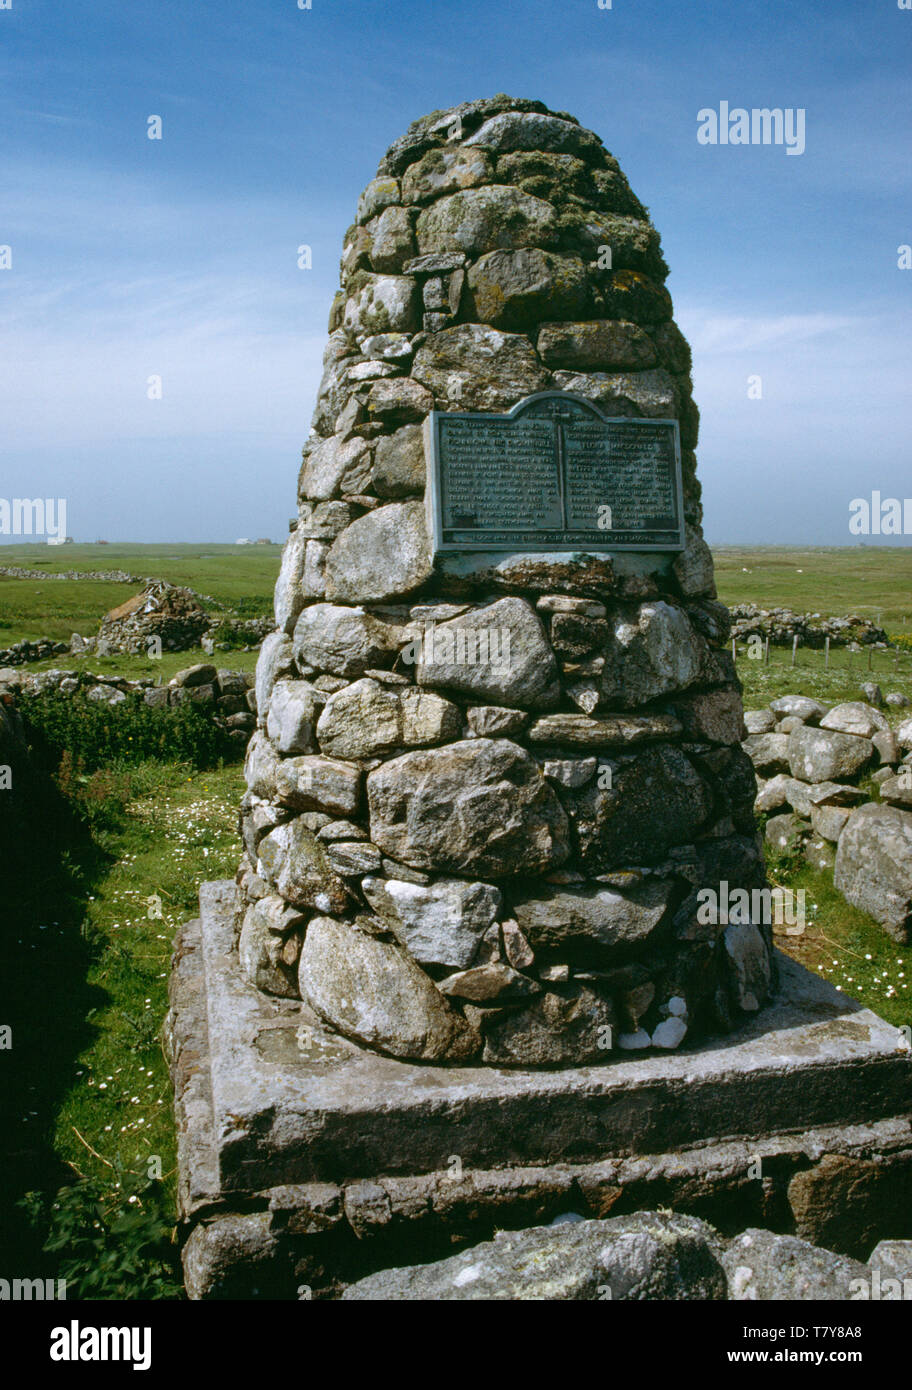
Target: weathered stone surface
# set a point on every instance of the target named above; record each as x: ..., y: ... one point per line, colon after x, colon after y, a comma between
x: 477, y: 220
x: 818, y: 755
x: 344, y: 641
x: 811, y: 711
x: 759, y: 721
x: 760, y: 1265
x: 381, y: 555
x: 365, y: 719
x: 595, y: 345
x: 495, y: 721
x: 874, y: 866
x: 579, y: 731
x: 829, y: 821
x: 783, y: 831
x: 373, y: 991
x: 443, y: 171
x: 714, y: 715
x: 769, y: 753
x: 897, y: 790
x: 260, y: 766
x: 191, y: 676
x: 294, y: 861
x: 650, y: 393
x: 570, y: 772
x: 331, y: 461
x: 223, y: 1257
x: 476, y: 367
x: 893, y: 1258
x: 846, y: 1201
x: 645, y: 1256
x: 293, y: 712
x: 515, y: 130
x: 513, y: 289
x: 693, y: 568
x: 380, y: 193
x: 399, y: 466
x: 814, y: 1057
x: 385, y: 304
x: 498, y: 653
x: 492, y: 983
x: 392, y: 240
x: 886, y: 745
x: 441, y: 923
x: 353, y: 858
x: 653, y: 651
x: 289, y: 595
x: 656, y: 800
x: 324, y: 520
x: 568, y: 1028
x: 855, y: 717
x: 480, y: 806
x: 276, y: 659
x: 591, y: 919
x: 399, y: 400
x: 318, y: 784
x: 634, y: 241
x: 750, y: 959
x: 629, y: 294
x: 262, y: 944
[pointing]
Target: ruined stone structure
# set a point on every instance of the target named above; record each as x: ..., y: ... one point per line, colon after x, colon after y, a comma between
x: 486, y: 790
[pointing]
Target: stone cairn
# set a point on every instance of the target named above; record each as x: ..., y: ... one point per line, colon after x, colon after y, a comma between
x: 495, y: 859
x: 173, y: 615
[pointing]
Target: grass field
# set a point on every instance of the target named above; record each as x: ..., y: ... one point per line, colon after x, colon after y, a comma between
x: 872, y: 581
x: 233, y: 576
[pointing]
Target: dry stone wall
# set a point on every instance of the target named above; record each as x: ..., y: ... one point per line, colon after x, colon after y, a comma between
x: 485, y: 790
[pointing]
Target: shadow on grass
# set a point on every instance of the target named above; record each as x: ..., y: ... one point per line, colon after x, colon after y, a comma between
x: 49, y: 864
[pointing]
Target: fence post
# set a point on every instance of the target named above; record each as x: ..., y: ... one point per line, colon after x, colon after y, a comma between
x: 826, y: 659
x: 767, y: 651
x: 734, y: 654
x: 794, y: 648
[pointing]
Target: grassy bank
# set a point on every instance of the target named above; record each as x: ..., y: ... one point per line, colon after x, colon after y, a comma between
x: 88, y: 1128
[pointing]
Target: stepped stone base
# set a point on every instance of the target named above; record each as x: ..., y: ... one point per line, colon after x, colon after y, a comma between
x: 306, y: 1161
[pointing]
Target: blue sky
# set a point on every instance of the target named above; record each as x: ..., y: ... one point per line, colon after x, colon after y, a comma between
x: 133, y: 258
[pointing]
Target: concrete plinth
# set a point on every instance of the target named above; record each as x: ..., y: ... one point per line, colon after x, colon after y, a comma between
x: 305, y: 1160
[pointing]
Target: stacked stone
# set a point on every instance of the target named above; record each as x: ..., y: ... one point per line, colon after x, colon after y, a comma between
x: 165, y: 611
x: 485, y: 790
x: 782, y: 625
x: 811, y: 757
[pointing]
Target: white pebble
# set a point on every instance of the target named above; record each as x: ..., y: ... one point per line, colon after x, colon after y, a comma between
x: 670, y: 1033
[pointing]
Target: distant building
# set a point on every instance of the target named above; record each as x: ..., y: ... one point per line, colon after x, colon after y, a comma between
x: 244, y: 540
x: 60, y: 540
x: 264, y: 540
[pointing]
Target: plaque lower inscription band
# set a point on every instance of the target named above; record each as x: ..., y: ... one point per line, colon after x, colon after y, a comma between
x: 554, y: 474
